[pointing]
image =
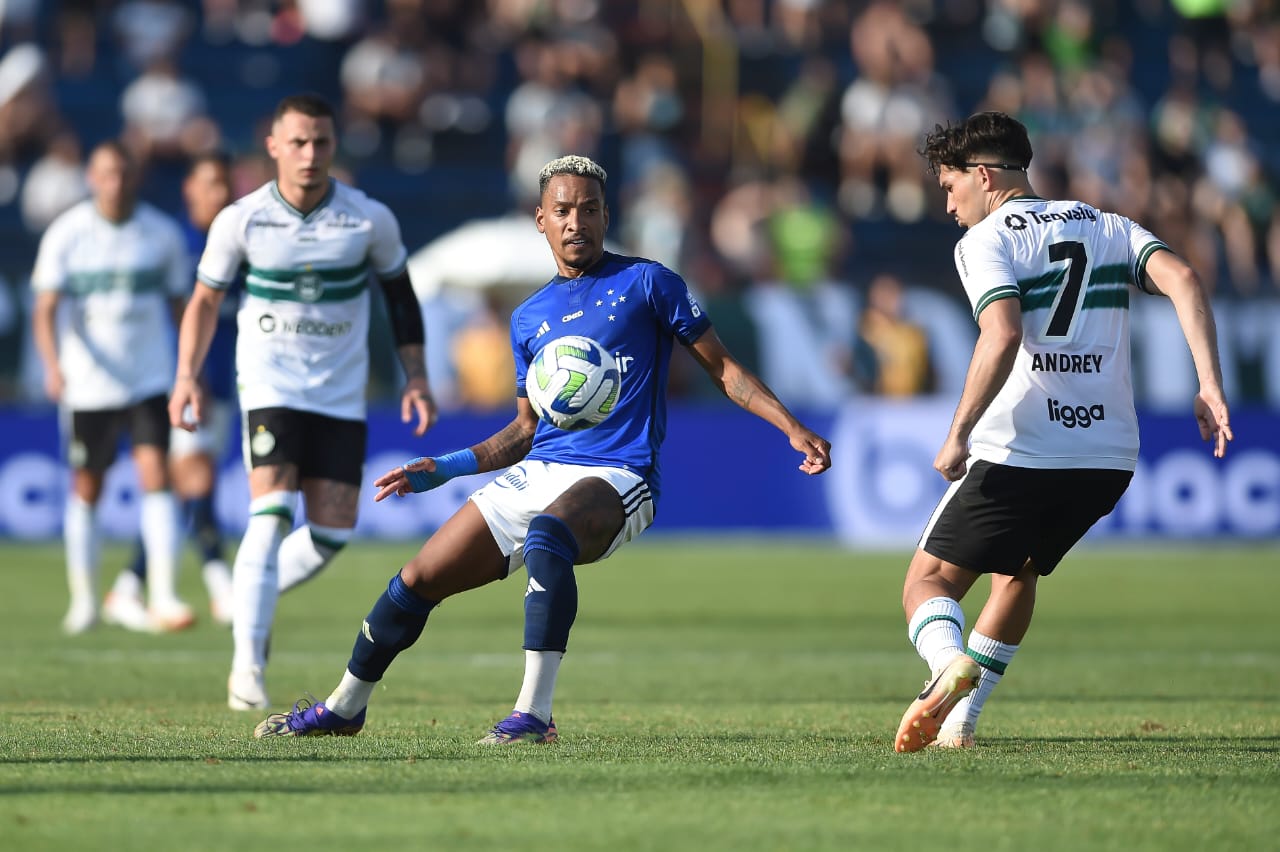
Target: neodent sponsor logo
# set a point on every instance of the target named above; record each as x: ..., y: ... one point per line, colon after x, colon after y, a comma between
x: 1072, y: 416
x: 271, y: 324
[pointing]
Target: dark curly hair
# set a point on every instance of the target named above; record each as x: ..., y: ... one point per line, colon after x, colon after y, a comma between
x: 989, y: 138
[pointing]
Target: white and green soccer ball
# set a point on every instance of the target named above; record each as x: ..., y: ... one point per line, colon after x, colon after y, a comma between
x: 573, y: 383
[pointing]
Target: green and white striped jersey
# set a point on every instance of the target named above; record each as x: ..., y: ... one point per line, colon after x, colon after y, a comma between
x: 1068, y: 402
x: 304, y: 320
x: 116, y: 280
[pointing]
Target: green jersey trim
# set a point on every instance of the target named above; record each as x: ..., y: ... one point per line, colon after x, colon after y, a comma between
x: 112, y: 280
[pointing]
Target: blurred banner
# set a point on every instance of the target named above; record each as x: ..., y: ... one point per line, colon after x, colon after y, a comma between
x: 725, y: 471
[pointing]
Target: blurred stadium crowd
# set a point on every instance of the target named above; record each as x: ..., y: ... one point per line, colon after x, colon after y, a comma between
x: 763, y: 148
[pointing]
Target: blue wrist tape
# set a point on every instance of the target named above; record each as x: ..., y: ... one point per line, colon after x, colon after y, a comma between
x: 449, y: 465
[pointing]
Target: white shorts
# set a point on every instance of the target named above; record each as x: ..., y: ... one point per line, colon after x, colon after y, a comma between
x: 525, y: 490
x: 210, y: 439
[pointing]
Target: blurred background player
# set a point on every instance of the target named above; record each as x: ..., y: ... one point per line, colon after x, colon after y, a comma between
x: 1045, y: 437
x: 302, y: 362
x: 194, y: 456
x: 566, y: 498
x: 109, y: 277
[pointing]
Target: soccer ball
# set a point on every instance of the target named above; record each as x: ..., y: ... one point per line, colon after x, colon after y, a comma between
x: 573, y: 383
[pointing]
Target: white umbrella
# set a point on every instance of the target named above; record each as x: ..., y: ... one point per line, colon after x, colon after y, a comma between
x: 505, y: 253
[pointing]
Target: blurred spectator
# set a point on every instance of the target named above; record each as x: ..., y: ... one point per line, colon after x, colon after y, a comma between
x: 895, y: 98
x: 482, y: 360
x: 149, y: 30
x: 29, y: 116
x: 165, y: 115
x: 55, y: 182
x: 899, y: 348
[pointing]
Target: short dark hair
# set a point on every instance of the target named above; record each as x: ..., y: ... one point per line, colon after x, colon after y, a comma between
x: 217, y: 158
x: 305, y: 103
x: 988, y: 137
x: 116, y: 147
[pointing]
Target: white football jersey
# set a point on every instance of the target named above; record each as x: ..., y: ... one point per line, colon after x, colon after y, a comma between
x: 1068, y: 403
x: 303, y: 323
x: 115, y: 322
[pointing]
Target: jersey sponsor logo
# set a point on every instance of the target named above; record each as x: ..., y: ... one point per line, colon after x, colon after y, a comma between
x: 266, y: 223
x: 571, y: 317
x: 309, y: 286
x: 623, y: 361
x: 1071, y: 416
x: 542, y: 329
x: 1014, y: 222
x: 1075, y: 214
x: 1060, y: 362
x: 270, y: 324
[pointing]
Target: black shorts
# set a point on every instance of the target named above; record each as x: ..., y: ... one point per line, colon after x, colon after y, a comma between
x: 999, y: 516
x: 95, y: 435
x: 319, y: 447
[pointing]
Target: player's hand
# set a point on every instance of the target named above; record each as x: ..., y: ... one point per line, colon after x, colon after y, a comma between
x: 952, y: 460
x: 1214, y: 419
x: 417, y: 399
x: 186, y: 404
x: 816, y: 450
x: 397, y: 482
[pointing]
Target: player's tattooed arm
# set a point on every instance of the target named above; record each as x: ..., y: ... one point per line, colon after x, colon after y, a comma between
x: 507, y: 446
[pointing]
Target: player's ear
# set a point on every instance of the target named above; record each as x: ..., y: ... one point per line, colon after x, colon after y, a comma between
x: 537, y: 220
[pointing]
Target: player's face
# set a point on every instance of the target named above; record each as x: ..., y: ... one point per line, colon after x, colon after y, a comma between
x: 966, y: 201
x: 574, y: 218
x: 303, y: 148
x: 111, y: 181
x: 206, y: 191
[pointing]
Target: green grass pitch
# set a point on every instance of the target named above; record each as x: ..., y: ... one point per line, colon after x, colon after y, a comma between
x: 718, y: 695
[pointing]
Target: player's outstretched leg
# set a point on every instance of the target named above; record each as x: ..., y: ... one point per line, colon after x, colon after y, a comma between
x: 395, y: 623
x: 923, y: 720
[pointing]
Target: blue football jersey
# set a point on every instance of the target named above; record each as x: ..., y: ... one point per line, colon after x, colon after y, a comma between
x: 635, y: 309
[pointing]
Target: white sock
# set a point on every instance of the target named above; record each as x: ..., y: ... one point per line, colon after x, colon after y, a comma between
x: 217, y: 579
x: 127, y: 585
x: 993, y: 655
x: 253, y: 580
x: 161, y: 541
x: 306, y: 551
x: 540, y: 670
x: 350, y: 696
x: 80, y: 531
x: 936, y: 629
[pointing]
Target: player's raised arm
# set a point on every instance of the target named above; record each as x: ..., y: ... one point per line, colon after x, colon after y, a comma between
x: 748, y: 391
x: 502, y: 449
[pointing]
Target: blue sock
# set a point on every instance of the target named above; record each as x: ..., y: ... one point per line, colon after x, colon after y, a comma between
x: 394, y: 623
x: 202, y: 524
x: 139, y: 564
x: 551, y: 601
